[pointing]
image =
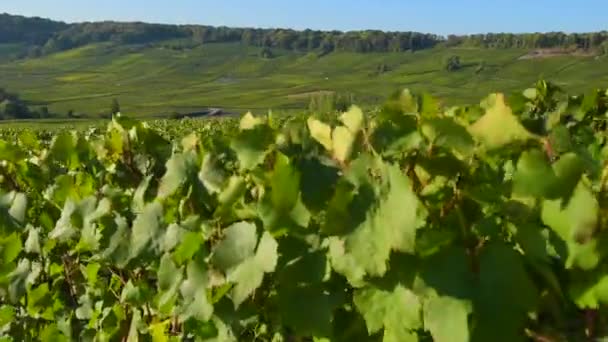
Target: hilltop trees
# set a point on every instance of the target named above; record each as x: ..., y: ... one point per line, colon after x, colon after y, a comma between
x: 115, y: 107
x: 51, y: 36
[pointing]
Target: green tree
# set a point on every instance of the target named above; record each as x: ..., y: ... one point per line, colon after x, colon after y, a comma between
x: 115, y: 108
x: 266, y: 53
x: 44, y: 112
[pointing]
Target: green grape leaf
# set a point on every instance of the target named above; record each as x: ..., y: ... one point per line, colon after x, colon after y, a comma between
x: 252, y: 145
x: 211, y: 173
x: 179, y: 169
x: 307, y: 310
x: 533, y: 176
x: 266, y: 254
x: 589, y: 292
x: 18, y: 207
x: 63, y: 149
x: 7, y: 313
x: 398, y: 311
x: 64, y: 229
x: 499, y: 127
x: 131, y: 294
x: 133, y: 335
x: 389, y: 227
x: 248, y: 275
x: 503, y: 317
x: 281, y: 207
x: 32, y: 244
x: 146, y: 229
x: 169, y: 276
x: 194, y: 291
x: 237, y: 245
x: 447, y: 319
x: 234, y: 190
x: 10, y: 247
x: 445, y: 132
x: 191, y: 243
x: 575, y: 222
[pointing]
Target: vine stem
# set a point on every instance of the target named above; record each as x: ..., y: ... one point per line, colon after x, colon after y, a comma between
x: 591, y: 316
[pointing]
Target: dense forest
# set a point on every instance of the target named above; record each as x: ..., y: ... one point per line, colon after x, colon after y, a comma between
x: 45, y: 36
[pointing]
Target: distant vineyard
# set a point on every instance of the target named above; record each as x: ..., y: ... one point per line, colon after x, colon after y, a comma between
x: 415, y: 222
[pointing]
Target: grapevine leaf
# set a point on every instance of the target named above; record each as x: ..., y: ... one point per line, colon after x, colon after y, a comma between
x: 238, y: 245
x: 248, y: 275
x: 447, y: 319
x: 321, y: 132
x: 398, y: 311
x: 248, y: 121
x: 168, y: 274
x: 178, y: 168
x: 133, y: 335
x: 589, y: 292
x: 389, y: 227
x: 194, y: 291
x: 502, y: 318
x: 307, y: 310
x: 266, y: 254
x: 63, y: 149
x: 211, y: 174
x: 146, y: 228
x: 234, y: 190
x: 353, y: 119
x: 534, y: 176
x: 7, y: 313
x: 342, y: 143
x: 575, y: 222
x: 64, y: 228
x: 18, y: 207
x: 499, y: 127
x: 191, y: 243
x: 280, y: 207
x: 32, y: 244
x: 252, y: 145
x: 317, y: 184
x: 447, y: 133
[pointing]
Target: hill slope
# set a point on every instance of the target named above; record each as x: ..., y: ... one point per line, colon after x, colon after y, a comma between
x: 169, y: 75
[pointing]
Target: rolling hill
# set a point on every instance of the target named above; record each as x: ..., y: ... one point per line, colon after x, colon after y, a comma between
x: 170, y: 75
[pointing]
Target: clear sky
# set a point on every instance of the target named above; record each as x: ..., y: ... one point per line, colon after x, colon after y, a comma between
x: 434, y: 16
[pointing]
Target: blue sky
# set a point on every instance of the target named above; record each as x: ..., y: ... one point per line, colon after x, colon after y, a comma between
x: 435, y: 16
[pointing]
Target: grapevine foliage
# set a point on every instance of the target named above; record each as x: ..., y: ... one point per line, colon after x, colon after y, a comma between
x: 480, y: 223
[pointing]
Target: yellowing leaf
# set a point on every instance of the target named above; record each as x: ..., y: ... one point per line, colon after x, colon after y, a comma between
x: 321, y: 132
x: 353, y: 119
x: 342, y: 140
x: 249, y: 121
x: 499, y: 127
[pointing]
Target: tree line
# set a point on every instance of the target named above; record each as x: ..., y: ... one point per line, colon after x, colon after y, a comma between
x: 13, y: 107
x: 46, y: 36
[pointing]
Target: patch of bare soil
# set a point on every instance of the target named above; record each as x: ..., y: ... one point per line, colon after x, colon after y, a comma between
x: 549, y: 53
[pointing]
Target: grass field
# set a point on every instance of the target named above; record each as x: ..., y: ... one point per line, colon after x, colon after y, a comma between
x: 155, y: 80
